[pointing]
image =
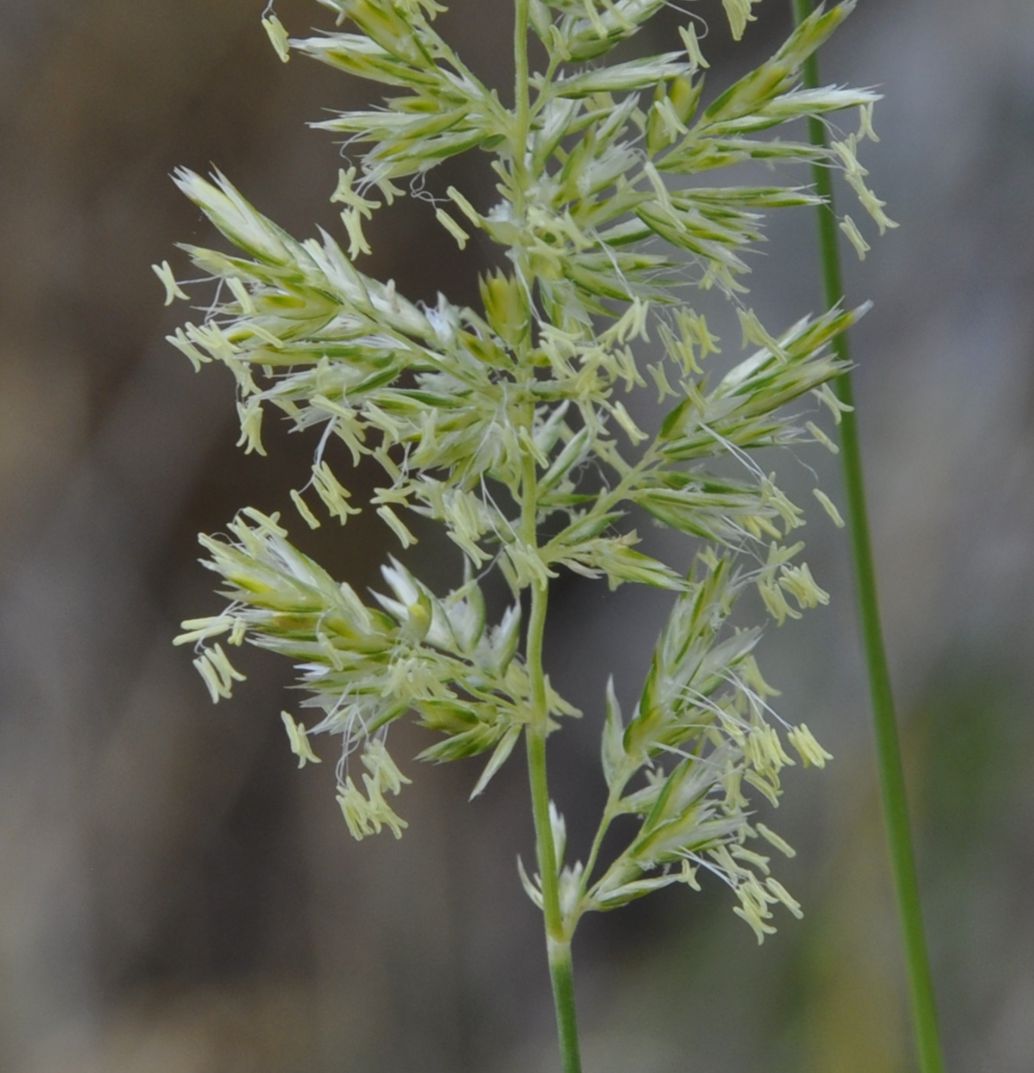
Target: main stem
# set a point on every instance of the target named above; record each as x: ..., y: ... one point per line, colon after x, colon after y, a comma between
x: 888, y: 749
x: 558, y: 941
x: 558, y: 934
x: 558, y: 938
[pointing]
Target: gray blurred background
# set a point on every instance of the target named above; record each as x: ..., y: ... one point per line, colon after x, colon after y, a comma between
x: 176, y: 898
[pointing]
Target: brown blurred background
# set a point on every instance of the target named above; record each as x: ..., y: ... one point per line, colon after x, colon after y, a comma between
x: 176, y: 898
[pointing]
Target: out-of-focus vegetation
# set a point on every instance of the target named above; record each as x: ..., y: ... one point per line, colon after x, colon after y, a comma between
x: 176, y: 897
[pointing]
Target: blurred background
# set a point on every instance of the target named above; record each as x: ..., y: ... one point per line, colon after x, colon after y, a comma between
x: 176, y: 898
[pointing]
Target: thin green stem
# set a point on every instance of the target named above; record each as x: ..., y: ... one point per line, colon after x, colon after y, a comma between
x: 562, y: 975
x: 888, y: 748
x: 558, y: 943
x: 558, y: 930
x: 558, y: 939
x: 609, y: 812
x: 522, y: 101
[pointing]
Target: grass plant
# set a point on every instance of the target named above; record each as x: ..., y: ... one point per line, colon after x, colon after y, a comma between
x: 616, y: 200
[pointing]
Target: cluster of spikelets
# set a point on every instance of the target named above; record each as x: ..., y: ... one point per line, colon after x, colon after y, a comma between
x: 506, y: 425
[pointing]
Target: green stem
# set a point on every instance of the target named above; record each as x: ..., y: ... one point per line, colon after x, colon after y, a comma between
x: 558, y: 930
x: 609, y: 811
x: 522, y: 101
x: 558, y: 939
x: 561, y: 973
x: 888, y: 749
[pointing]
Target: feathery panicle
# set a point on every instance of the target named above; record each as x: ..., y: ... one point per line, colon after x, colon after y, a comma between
x: 496, y: 422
